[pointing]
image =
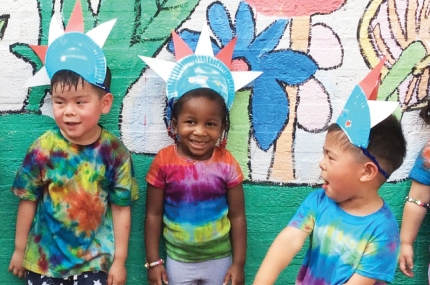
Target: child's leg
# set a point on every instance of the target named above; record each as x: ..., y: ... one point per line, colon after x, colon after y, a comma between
x: 211, y: 272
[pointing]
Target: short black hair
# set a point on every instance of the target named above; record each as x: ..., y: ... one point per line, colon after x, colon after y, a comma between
x: 68, y: 79
x: 198, y: 93
x: 386, y: 143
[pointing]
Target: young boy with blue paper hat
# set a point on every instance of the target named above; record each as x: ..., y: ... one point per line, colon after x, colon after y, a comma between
x: 76, y: 182
x: 354, y: 237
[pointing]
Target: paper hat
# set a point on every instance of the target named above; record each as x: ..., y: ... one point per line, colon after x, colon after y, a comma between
x: 362, y: 112
x: 73, y: 50
x: 200, y: 70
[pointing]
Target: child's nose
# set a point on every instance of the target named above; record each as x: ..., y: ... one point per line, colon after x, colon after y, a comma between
x: 321, y: 164
x: 199, y: 130
x: 69, y: 110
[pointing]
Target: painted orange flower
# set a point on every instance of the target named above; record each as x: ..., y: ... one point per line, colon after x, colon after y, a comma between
x: 86, y: 209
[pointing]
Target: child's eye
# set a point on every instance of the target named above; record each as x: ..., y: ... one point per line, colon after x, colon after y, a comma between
x: 189, y: 122
x: 58, y: 102
x: 210, y: 124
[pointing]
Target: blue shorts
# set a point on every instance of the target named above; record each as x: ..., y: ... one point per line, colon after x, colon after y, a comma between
x: 85, y: 278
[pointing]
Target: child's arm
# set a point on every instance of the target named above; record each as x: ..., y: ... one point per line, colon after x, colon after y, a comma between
x: 286, y: 245
x: 121, y: 229
x: 153, y: 226
x: 26, y: 211
x: 413, y: 216
x: 236, y: 214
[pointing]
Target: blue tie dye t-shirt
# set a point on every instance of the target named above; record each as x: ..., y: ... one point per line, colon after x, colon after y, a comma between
x: 342, y: 244
x: 196, y: 225
x: 72, y: 230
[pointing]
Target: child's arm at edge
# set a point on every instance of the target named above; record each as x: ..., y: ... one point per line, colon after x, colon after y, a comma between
x: 413, y: 216
x: 238, y: 233
x: 121, y: 228
x: 153, y: 226
x: 285, y: 246
x: 26, y: 211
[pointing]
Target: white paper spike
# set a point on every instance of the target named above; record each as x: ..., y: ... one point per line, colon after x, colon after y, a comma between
x: 55, y: 30
x: 379, y: 110
x: 204, y: 45
x: 40, y: 78
x: 100, y: 33
x: 162, y: 67
x: 241, y: 78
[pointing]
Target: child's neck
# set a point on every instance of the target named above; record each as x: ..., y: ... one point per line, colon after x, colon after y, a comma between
x: 363, y: 205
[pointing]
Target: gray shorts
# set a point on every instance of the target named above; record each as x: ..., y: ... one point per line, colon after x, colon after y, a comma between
x: 211, y: 272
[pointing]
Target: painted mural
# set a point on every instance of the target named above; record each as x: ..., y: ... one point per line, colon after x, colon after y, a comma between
x: 311, y: 54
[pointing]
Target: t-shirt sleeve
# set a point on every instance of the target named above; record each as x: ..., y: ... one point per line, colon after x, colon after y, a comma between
x: 28, y: 181
x: 304, y: 218
x: 235, y: 174
x: 379, y: 260
x: 125, y: 185
x: 155, y: 175
x: 420, y: 172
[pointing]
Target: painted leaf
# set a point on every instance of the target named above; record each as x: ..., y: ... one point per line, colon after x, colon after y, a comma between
x: 269, y: 111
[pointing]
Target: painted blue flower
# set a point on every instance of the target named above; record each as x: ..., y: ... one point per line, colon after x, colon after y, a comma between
x: 269, y: 101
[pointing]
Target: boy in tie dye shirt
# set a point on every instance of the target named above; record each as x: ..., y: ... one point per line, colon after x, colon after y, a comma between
x: 354, y: 237
x: 76, y: 184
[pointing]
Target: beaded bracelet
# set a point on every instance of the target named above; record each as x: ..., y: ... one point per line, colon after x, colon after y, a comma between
x: 418, y: 202
x: 155, y: 263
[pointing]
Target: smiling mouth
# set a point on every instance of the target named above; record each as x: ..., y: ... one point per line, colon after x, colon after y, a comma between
x: 198, y: 144
x: 71, y: 123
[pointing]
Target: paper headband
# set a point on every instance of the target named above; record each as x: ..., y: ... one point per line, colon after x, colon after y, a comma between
x: 202, y: 69
x: 362, y: 112
x: 73, y: 50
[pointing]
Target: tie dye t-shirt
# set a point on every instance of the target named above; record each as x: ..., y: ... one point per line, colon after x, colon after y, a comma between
x: 420, y: 172
x: 342, y: 244
x: 196, y: 225
x: 73, y: 185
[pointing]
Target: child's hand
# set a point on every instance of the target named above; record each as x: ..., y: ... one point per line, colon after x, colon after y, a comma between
x: 117, y: 274
x: 406, y: 259
x: 157, y: 275
x: 15, y: 266
x: 236, y: 274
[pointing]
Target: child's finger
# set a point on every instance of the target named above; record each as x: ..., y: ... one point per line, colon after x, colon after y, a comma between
x: 110, y: 280
x: 164, y: 277
x: 226, y: 279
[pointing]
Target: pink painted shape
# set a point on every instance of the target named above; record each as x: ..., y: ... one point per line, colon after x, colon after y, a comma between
x: 181, y: 48
x: 76, y: 21
x: 313, y: 99
x: 226, y: 54
x: 294, y: 8
x: 40, y: 51
x: 325, y: 47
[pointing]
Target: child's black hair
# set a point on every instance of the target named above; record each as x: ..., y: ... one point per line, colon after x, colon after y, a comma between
x: 198, y: 93
x: 68, y: 79
x: 386, y: 143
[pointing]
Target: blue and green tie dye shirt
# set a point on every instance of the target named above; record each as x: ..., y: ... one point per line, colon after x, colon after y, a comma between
x: 342, y: 244
x: 73, y: 185
x: 196, y: 225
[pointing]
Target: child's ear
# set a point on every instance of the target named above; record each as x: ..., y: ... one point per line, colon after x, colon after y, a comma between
x: 370, y: 171
x: 174, y: 125
x: 106, y: 101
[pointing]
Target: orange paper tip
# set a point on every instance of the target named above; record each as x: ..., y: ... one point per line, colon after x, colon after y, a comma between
x: 181, y: 48
x: 76, y: 21
x: 370, y: 83
x: 40, y: 51
x: 226, y: 54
